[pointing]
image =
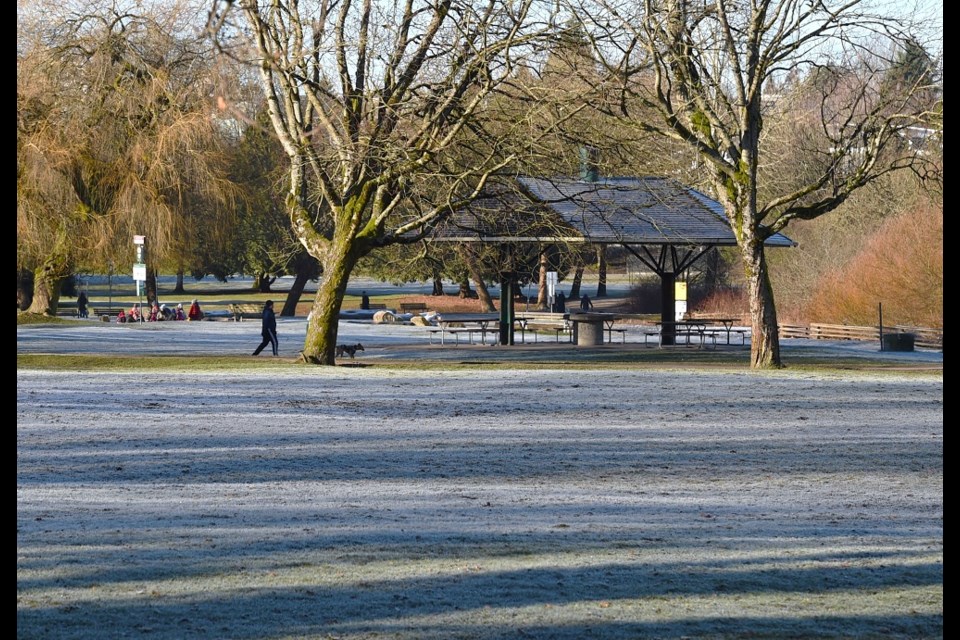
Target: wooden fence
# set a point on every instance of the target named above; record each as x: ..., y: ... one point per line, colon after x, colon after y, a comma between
x: 924, y: 337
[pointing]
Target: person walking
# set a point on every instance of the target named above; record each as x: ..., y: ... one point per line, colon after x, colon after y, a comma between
x: 585, y: 304
x: 82, y: 302
x: 268, y: 329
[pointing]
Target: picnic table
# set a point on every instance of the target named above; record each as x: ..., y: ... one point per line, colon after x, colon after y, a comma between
x: 685, y: 328
x: 727, y: 327
x: 456, y: 324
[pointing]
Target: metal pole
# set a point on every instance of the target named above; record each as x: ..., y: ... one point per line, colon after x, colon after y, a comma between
x: 880, y: 311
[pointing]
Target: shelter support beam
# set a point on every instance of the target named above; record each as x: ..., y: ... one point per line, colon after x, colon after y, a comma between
x: 668, y: 302
x: 507, y: 314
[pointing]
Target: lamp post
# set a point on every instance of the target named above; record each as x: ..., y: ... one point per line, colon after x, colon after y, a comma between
x: 140, y: 268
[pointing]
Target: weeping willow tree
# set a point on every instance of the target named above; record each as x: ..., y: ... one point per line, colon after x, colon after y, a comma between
x: 116, y: 137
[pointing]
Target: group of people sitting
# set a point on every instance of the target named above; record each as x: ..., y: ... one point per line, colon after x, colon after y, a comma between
x: 159, y: 312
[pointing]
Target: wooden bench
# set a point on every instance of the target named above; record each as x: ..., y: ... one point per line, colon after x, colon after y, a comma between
x: 535, y: 321
x: 412, y: 307
x: 244, y: 311
x: 376, y: 306
x: 111, y: 312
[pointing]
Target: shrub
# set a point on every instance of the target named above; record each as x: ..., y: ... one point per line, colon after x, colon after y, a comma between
x: 901, y: 266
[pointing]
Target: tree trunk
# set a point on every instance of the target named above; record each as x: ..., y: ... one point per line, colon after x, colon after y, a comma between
x: 46, y: 296
x: 765, y: 341
x: 151, y: 286
x: 321, y: 340
x: 483, y: 294
x: 465, y: 291
x: 575, y: 285
x: 542, y: 283
x: 24, y: 289
x: 601, y: 271
x: 437, y: 285
x: 178, y: 289
x: 262, y: 283
x: 293, y: 296
x: 47, y: 280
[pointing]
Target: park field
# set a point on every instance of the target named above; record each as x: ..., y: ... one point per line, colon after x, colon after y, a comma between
x: 479, y: 502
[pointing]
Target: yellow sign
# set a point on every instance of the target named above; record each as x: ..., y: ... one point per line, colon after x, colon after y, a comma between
x: 680, y: 290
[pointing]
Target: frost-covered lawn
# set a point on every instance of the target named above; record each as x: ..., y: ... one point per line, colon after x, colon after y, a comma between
x: 360, y: 503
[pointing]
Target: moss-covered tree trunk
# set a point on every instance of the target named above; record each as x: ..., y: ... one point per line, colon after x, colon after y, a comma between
x: 321, y: 340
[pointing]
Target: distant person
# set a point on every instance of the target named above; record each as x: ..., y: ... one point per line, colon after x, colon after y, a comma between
x: 121, y: 317
x: 364, y: 301
x: 585, y: 303
x: 166, y: 313
x: 154, y: 312
x: 82, y: 303
x: 179, y: 314
x: 134, y: 315
x: 268, y: 329
x: 560, y: 303
x: 195, y: 313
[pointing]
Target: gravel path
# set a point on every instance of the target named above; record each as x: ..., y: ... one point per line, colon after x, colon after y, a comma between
x: 360, y: 503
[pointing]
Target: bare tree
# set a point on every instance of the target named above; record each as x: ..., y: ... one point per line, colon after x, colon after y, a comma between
x: 695, y: 71
x: 376, y: 105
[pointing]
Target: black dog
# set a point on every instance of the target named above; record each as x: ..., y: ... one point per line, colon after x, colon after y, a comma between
x: 349, y: 349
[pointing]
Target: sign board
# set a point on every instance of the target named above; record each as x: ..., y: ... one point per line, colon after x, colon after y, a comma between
x: 680, y: 308
x: 139, y: 271
x: 551, y: 283
x: 680, y: 291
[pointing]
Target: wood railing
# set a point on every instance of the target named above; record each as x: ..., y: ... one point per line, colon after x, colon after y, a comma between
x: 924, y: 337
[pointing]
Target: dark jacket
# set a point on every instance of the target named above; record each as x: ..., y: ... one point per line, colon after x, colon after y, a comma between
x: 269, y: 326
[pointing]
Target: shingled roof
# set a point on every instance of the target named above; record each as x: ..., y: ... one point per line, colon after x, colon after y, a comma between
x: 646, y: 210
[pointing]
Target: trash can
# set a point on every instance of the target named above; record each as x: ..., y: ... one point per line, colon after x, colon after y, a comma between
x: 898, y: 341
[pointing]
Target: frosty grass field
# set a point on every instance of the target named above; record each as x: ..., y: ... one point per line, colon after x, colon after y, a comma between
x: 435, y: 502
